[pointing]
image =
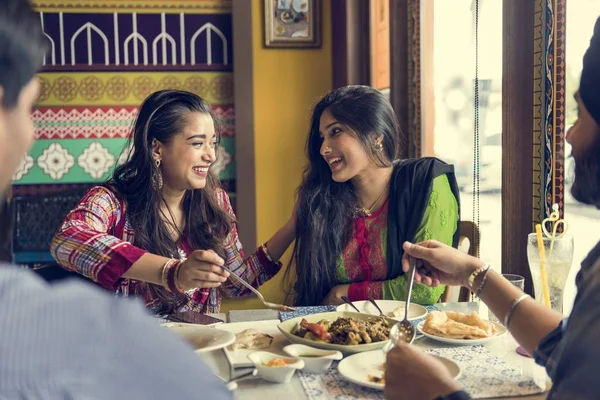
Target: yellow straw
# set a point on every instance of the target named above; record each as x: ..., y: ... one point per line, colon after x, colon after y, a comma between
x: 546, y: 294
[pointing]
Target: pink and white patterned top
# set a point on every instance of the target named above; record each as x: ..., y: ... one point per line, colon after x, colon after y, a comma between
x: 96, y: 239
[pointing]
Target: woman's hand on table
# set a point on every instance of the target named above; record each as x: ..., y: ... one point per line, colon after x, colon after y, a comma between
x: 202, y: 269
x: 438, y: 263
x: 334, y: 297
x: 412, y: 374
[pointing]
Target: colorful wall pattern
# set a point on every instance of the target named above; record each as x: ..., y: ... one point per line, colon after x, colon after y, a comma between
x: 549, y: 108
x: 105, y: 57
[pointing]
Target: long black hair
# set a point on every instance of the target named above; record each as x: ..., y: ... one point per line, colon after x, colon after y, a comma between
x: 161, y: 117
x: 325, y: 207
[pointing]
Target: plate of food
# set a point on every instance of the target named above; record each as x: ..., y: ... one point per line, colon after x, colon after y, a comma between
x: 202, y: 338
x: 458, y: 328
x: 391, y: 308
x: 348, y: 332
x: 250, y: 337
x: 368, y: 369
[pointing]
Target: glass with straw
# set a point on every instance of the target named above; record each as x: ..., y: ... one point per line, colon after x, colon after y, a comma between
x: 550, y: 255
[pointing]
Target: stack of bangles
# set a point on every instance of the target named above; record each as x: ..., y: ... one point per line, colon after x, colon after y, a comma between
x: 266, y: 251
x: 169, y: 276
x: 481, y: 270
x: 477, y: 291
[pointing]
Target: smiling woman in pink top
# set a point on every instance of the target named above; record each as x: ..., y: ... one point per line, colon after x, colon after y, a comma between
x: 162, y: 227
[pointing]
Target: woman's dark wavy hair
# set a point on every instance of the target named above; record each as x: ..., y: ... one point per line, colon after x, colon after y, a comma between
x: 161, y: 117
x: 326, y: 207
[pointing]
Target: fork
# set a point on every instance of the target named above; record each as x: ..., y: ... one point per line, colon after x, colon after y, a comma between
x: 372, y: 300
x: 268, y: 304
x: 346, y: 300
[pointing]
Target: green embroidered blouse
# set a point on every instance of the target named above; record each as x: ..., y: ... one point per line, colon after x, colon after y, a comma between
x: 369, y: 237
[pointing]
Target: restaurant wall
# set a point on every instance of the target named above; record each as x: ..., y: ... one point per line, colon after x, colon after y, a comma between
x: 287, y: 83
x: 105, y: 57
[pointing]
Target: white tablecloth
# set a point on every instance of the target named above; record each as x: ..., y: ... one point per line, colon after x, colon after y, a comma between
x: 258, y: 389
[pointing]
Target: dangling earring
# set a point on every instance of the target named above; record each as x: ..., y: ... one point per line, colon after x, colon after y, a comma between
x: 157, y: 179
x: 378, y: 146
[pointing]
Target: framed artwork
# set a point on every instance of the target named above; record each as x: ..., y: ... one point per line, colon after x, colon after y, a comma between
x: 292, y: 23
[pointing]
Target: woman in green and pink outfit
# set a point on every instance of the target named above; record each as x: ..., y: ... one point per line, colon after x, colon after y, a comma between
x: 357, y: 204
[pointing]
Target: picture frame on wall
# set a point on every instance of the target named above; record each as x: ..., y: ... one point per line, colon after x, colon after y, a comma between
x: 292, y: 23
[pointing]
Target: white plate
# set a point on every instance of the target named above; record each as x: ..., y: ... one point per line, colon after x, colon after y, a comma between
x: 464, y: 342
x: 357, y: 368
x: 415, y: 311
x: 239, y: 358
x: 288, y: 326
x: 202, y: 338
x: 300, y: 6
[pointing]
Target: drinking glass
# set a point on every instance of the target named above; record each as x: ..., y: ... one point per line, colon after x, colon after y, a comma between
x: 516, y: 280
x: 559, y: 257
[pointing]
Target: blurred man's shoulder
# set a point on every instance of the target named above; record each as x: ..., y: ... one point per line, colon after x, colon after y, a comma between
x: 106, y: 345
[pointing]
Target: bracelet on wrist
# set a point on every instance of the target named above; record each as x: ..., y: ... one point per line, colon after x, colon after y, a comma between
x: 471, y: 280
x: 169, y: 275
x: 265, y: 250
x: 482, y: 283
x: 512, y: 308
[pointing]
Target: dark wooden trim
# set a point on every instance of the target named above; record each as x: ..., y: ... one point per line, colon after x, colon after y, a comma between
x: 517, y: 137
x: 243, y: 83
x: 350, y: 34
x: 399, y: 60
x: 339, y: 51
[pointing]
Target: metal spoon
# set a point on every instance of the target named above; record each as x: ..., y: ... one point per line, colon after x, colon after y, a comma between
x: 372, y: 300
x: 267, y: 304
x: 347, y: 301
x: 404, y: 330
x: 232, y: 383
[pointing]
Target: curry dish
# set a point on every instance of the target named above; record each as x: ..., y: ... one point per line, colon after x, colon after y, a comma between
x: 344, y: 331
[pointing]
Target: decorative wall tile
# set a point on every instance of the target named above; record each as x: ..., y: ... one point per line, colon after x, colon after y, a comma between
x: 56, y: 161
x: 96, y: 160
x: 24, y: 167
x: 223, y: 160
x: 105, y: 57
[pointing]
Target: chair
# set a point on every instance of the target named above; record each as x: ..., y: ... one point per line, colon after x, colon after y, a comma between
x: 35, y: 220
x: 468, y: 229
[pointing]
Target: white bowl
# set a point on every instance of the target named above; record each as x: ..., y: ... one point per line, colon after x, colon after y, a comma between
x: 202, y: 338
x: 415, y: 311
x: 290, y: 325
x: 275, y: 374
x: 316, y: 361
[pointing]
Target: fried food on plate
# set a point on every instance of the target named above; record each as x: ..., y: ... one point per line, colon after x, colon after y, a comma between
x: 455, y: 325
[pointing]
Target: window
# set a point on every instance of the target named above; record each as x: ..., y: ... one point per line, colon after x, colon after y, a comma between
x: 582, y: 219
x: 380, y: 45
x: 448, y: 105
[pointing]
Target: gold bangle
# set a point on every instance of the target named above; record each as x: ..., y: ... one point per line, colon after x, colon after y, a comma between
x: 267, y: 254
x: 176, y: 279
x: 165, y: 272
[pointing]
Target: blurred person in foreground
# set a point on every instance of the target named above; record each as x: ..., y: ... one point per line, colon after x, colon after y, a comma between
x: 567, y: 347
x: 72, y: 340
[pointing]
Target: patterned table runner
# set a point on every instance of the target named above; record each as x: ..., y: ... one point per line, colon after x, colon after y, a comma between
x: 483, y: 375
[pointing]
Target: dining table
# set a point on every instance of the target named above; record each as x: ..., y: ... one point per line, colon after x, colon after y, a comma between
x: 502, y: 348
